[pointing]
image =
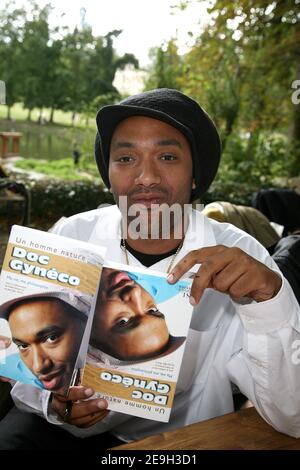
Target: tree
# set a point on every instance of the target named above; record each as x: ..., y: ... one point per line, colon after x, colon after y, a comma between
x: 213, y: 72
x: 56, y: 68
x: 10, y: 54
x: 76, y: 48
x: 40, y: 60
x: 166, y: 67
x: 269, y: 34
x: 102, y: 64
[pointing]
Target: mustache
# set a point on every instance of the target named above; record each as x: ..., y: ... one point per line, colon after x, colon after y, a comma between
x: 50, y: 375
x: 122, y: 290
x: 154, y: 189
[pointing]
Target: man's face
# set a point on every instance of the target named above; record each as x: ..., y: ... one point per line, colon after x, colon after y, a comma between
x: 150, y: 163
x: 127, y: 324
x: 48, y: 338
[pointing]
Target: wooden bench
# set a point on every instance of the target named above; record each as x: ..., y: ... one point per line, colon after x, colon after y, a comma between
x: 6, y: 137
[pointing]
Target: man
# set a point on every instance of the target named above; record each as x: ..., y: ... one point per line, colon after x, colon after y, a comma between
x: 159, y: 148
x: 47, y: 329
x: 127, y: 323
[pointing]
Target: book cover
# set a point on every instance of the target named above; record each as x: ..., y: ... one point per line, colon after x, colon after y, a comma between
x: 48, y: 288
x: 137, y: 340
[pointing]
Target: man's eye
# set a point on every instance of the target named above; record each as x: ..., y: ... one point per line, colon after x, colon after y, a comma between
x: 152, y: 310
x: 168, y: 157
x: 155, y: 312
x: 122, y: 321
x: 22, y: 347
x: 125, y: 159
x: 51, y: 339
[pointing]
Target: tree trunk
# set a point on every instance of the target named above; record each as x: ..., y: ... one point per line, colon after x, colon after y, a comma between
x: 8, y: 116
x: 40, y: 116
x: 51, y: 119
x: 230, y: 120
x: 87, y: 120
x: 73, y: 117
x: 29, y: 115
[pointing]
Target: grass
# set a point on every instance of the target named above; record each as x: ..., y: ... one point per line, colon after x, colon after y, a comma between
x: 18, y: 113
x: 61, y: 169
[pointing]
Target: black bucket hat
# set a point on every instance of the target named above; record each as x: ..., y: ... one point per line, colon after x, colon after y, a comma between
x: 174, y: 108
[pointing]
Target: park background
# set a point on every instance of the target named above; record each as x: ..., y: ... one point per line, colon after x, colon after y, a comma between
x: 240, y: 60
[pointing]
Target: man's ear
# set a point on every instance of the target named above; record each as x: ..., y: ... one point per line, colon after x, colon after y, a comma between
x: 193, y: 184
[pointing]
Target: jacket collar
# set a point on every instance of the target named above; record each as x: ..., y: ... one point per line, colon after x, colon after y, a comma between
x: 107, y: 232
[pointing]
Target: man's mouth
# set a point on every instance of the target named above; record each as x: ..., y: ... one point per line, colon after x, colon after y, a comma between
x: 148, y: 199
x: 52, y: 381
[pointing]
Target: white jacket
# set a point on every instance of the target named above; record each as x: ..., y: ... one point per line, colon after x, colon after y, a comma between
x: 250, y: 345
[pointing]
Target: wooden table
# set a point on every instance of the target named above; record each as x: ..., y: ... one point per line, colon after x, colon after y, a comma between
x: 244, y: 430
x: 6, y: 137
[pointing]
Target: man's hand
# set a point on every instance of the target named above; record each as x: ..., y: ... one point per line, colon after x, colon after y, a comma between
x: 228, y: 270
x: 84, y: 413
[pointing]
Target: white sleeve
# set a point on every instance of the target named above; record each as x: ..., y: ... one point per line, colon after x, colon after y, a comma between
x: 34, y: 400
x: 267, y: 368
x: 30, y: 399
x: 79, y: 226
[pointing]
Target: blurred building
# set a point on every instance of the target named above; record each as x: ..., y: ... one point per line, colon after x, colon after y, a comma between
x: 130, y: 81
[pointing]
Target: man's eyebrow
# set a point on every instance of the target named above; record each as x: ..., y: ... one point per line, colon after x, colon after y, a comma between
x: 122, y: 144
x: 167, y: 142
x: 40, y: 335
x: 162, y: 143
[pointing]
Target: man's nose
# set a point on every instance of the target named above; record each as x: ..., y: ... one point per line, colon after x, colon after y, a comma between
x: 148, y: 174
x: 40, y: 361
x: 134, y: 299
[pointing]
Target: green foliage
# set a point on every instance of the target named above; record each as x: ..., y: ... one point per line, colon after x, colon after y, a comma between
x: 166, y: 67
x: 59, y: 68
x: 53, y: 199
x: 241, y: 175
x: 11, y: 54
x: 230, y: 191
x: 240, y: 69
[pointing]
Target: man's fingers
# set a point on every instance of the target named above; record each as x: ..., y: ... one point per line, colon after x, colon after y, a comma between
x: 89, y: 420
x: 192, y: 258
x: 241, y: 287
x: 88, y: 407
x: 223, y: 280
x: 202, y: 281
x: 182, y: 267
x: 76, y: 393
x: 207, y: 275
x: 228, y: 270
x: 79, y: 410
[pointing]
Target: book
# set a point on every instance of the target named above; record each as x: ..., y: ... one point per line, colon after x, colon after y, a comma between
x: 68, y: 315
x: 137, y: 340
x: 48, y: 288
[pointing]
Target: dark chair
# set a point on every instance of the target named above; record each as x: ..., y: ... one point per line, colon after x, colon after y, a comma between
x: 281, y: 206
